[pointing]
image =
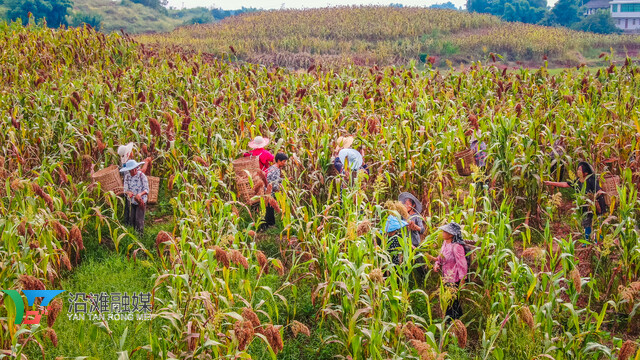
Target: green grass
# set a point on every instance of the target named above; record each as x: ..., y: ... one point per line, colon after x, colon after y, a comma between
x: 104, y: 270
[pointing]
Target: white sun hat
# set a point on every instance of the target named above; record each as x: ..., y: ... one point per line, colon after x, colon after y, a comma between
x: 258, y: 142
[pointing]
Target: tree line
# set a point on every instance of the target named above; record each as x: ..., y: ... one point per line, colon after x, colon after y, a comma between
x: 567, y: 13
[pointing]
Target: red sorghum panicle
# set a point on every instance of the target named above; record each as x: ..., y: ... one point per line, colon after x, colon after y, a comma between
x: 238, y: 259
x: 54, y: 310
x: 29, y: 282
x: 221, y: 256
x: 248, y: 314
x: 50, y: 334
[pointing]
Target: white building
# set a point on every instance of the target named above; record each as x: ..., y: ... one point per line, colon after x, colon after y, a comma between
x: 626, y: 14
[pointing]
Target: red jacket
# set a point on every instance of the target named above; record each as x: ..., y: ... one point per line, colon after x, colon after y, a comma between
x: 264, y: 157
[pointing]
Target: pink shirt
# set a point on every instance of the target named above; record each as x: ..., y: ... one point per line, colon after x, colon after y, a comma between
x: 264, y: 157
x: 452, y: 262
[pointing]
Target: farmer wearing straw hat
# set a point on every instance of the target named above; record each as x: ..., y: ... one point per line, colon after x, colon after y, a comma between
x: 453, y: 263
x: 347, y: 160
x: 587, y: 183
x: 136, y: 188
x: 393, y: 228
x: 265, y: 157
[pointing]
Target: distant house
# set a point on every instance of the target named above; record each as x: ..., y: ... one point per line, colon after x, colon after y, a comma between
x: 626, y: 14
x: 595, y: 5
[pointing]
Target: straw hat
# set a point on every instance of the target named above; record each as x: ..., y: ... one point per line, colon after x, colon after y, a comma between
x: 124, y: 151
x: 405, y: 195
x: 258, y: 142
x: 344, y: 142
x: 130, y: 165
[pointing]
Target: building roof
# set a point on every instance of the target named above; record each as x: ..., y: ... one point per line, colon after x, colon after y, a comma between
x: 597, y: 4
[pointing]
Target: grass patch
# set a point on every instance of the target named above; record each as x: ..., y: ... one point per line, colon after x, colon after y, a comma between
x: 109, y: 273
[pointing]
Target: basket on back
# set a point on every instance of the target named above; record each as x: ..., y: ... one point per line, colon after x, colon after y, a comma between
x: 464, y: 160
x: 246, y: 170
x: 610, y: 187
x: 154, y: 187
x: 249, y: 163
x: 109, y: 179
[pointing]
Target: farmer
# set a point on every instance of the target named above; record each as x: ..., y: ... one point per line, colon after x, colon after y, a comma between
x: 348, y: 160
x: 394, y: 231
x: 478, y: 148
x: 586, y: 183
x: 452, y: 263
x: 126, y: 152
x: 415, y: 221
x: 265, y: 157
x: 136, y: 188
x: 274, y: 179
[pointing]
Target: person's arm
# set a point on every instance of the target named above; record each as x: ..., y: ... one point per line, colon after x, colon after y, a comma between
x: 145, y: 185
x: 561, y: 184
x: 146, y: 168
x: 420, y: 224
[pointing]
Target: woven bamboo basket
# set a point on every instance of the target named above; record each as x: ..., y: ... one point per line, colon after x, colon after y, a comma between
x: 610, y: 187
x: 249, y: 163
x: 109, y: 179
x: 464, y: 160
x: 154, y: 187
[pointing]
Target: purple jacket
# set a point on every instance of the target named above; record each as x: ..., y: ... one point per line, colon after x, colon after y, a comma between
x: 452, y: 262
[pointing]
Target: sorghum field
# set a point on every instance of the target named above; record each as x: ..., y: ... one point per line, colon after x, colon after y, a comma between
x: 317, y: 286
x: 391, y: 36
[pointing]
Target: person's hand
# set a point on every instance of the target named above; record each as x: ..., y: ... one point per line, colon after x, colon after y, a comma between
x: 431, y: 258
x: 129, y: 194
x: 413, y: 226
x: 436, y: 267
x: 138, y: 199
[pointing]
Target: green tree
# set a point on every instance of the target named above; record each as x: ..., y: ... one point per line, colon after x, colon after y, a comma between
x: 599, y: 22
x: 523, y: 11
x: 54, y: 11
x: 447, y: 5
x: 527, y: 11
x: 81, y: 18
x: 204, y: 18
x: 479, y: 6
x: 565, y: 12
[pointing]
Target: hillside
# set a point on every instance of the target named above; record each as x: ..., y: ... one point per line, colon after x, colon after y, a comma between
x: 389, y: 35
x: 131, y: 17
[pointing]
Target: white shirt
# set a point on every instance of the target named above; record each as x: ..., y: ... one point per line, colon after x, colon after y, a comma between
x: 351, y: 159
